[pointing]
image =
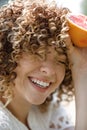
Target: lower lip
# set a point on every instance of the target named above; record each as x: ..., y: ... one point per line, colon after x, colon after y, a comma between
x: 37, y: 87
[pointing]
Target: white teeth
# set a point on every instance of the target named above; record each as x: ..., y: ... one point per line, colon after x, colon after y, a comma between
x: 40, y: 83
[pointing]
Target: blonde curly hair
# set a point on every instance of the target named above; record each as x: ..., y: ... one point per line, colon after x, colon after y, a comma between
x: 27, y: 26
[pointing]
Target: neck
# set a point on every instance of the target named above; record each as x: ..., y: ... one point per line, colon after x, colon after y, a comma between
x: 20, y: 109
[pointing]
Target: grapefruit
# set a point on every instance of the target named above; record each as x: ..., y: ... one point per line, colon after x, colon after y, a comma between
x: 78, y: 29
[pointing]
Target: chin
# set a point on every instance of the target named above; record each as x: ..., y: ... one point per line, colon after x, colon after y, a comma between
x: 37, y: 101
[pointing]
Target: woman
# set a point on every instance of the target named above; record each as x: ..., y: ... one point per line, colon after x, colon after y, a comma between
x: 36, y: 57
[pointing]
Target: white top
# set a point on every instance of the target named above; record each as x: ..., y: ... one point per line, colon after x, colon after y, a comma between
x: 55, y: 118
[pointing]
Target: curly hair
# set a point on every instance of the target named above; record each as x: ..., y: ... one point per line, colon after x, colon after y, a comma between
x: 30, y: 27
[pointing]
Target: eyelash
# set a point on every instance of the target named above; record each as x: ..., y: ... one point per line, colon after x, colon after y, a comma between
x: 62, y: 62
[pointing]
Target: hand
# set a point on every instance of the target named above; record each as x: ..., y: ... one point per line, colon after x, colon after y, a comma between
x: 78, y: 60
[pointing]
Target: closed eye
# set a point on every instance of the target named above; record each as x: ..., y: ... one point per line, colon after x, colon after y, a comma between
x: 62, y: 62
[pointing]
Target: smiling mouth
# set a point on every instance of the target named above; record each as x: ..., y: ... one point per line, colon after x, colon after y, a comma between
x: 39, y: 83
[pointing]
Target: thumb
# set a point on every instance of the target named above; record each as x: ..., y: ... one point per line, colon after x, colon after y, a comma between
x: 72, y: 51
x: 69, y: 44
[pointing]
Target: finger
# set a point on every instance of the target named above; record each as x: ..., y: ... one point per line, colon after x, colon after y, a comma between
x: 69, y: 44
x: 72, y: 51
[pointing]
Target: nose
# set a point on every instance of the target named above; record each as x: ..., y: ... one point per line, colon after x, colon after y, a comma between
x: 48, y: 68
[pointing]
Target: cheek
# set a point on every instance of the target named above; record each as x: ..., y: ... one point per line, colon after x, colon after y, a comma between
x: 60, y: 74
x: 24, y: 68
x: 26, y: 65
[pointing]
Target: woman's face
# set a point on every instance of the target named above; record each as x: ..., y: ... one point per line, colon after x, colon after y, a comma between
x: 37, y: 78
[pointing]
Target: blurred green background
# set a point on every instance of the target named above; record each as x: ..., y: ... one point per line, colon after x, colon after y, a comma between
x: 84, y: 6
x: 3, y: 2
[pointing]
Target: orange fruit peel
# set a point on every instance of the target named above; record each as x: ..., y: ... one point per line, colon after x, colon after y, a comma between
x: 77, y: 29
